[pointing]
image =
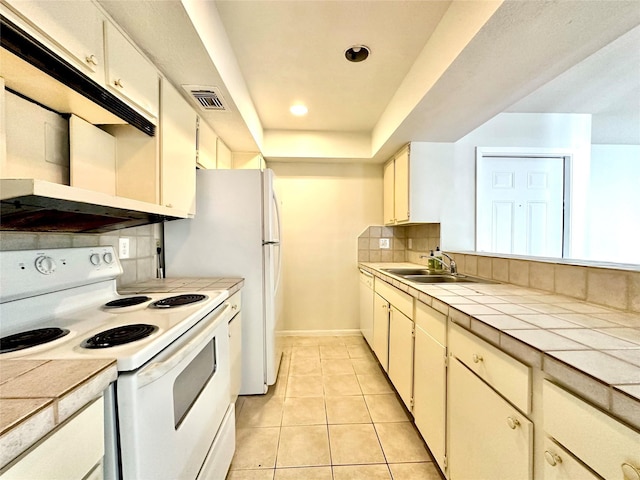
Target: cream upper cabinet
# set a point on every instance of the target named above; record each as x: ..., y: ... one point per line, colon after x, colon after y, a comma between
x: 430, y: 379
x: 381, y: 330
x: 416, y: 183
x: 129, y: 74
x: 223, y: 155
x: 73, y: 30
x: 178, y: 152
x: 207, y: 144
x: 488, y: 437
x: 401, y: 354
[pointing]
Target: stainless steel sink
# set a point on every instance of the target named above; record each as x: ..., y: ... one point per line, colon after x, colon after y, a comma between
x: 403, y: 272
x: 444, y: 279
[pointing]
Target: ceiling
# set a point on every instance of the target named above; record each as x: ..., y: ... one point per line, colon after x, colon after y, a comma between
x: 437, y: 69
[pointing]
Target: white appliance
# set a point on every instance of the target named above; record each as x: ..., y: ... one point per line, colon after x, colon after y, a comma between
x: 366, y: 306
x: 236, y: 232
x: 169, y: 413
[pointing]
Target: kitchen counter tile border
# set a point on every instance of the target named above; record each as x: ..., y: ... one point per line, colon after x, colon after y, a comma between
x: 620, y: 400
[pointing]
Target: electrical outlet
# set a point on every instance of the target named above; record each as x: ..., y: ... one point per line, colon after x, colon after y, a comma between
x: 384, y: 243
x: 410, y: 243
x: 123, y: 244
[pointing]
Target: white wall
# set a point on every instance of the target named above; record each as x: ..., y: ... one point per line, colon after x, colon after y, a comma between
x: 566, y: 132
x: 613, y: 213
x: 324, y: 208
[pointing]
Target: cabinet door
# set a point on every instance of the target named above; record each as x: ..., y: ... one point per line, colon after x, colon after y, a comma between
x: 388, y: 193
x: 207, y: 144
x: 73, y: 28
x: 401, y: 186
x: 178, y: 160
x: 129, y: 74
x: 488, y: 438
x: 401, y: 354
x: 381, y: 330
x: 429, y: 393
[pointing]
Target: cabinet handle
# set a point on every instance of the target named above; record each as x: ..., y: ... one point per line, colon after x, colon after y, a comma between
x: 629, y: 472
x: 552, y: 459
x: 234, y: 307
x: 477, y: 358
x: 513, y: 423
x: 92, y: 60
x: 169, y: 205
x: 118, y: 83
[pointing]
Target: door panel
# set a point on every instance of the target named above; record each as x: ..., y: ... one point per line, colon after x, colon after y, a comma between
x: 519, y: 205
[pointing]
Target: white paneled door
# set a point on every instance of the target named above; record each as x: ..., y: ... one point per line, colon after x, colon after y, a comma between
x: 519, y: 205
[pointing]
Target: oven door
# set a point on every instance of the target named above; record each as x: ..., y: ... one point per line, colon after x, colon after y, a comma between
x: 170, y: 409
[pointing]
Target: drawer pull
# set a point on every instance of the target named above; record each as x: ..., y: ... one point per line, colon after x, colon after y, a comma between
x: 513, y: 423
x: 552, y: 459
x: 629, y: 472
x: 477, y: 358
x: 92, y: 60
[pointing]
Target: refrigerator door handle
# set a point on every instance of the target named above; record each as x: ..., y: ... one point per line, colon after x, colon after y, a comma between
x: 270, y: 243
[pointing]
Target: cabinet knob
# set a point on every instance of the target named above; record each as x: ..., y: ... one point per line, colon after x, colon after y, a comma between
x: 513, y: 423
x: 234, y: 307
x: 476, y: 358
x: 552, y: 459
x: 169, y: 205
x: 92, y: 60
x: 118, y: 83
x: 629, y: 472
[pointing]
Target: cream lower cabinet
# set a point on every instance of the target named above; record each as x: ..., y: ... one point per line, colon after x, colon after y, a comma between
x: 430, y: 379
x: 489, y: 439
x: 381, y: 330
x: 401, y: 354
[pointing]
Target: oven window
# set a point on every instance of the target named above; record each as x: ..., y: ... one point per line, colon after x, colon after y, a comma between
x: 192, y: 380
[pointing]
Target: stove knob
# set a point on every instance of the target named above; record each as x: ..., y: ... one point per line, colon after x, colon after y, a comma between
x: 108, y: 258
x: 94, y: 259
x: 45, y: 265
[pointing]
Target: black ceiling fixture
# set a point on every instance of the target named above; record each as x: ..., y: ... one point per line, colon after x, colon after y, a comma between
x: 357, y: 53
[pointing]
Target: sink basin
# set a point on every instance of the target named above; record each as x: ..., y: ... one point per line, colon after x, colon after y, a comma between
x: 403, y: 272
x: 444, y: 279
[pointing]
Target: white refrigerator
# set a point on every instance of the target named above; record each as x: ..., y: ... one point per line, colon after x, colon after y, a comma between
x: 236, y: 233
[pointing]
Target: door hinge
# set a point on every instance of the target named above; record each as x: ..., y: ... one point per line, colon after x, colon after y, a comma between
x: 411, y: 403
x: 446, y: 361
x: 413, y: 333
x: 445, y: 462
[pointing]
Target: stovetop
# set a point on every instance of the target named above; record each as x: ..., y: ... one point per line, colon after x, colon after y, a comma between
x: 65, y: 289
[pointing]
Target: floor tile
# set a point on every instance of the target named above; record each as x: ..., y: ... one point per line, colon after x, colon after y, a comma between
x: 305, y: 351
x: 304, y: 411
x: 341, y: 385
x: 365, y: 366
x: 353, y: 340
x: 337, y: 366
x: 354, y: 444
x: 401, y: 443
x: 385, y: 408
x: 359, y: 351
x: 303, y: 386
x: 347, y: 409
x: 374, y: 383
x: 304, y: 473
x: 361, y: 472
x: 333, y: 351
x: 261, y: 411
x: 262, y: 474
x: 303, y: 446
x: 256, y: 448
x: 305, y: 366
x: 414, y: 471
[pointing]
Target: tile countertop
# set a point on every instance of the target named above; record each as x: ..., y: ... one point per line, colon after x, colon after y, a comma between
x: 38, y: 395
x: 183, y: 284
x: 591, y: 349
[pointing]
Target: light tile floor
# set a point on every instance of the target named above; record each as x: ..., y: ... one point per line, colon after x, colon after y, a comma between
x: 332, y: 415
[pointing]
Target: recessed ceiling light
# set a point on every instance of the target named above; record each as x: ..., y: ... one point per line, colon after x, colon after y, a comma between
x: 357, y: 53
x: 298, y: 110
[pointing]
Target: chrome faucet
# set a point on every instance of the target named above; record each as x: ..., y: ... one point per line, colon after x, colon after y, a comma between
x: 452, y: 267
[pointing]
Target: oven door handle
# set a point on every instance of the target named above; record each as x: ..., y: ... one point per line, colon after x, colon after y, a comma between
x: 155, y: 370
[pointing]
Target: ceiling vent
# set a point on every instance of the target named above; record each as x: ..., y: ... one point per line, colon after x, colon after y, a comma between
x: 207, y: 98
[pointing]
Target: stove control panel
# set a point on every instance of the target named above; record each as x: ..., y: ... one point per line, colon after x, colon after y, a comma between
x: 25, y: 273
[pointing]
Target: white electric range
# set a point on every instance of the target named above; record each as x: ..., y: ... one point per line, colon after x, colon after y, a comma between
x: 168, y: 415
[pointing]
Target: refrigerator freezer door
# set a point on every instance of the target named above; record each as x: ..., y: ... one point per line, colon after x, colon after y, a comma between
x: 271, y: 221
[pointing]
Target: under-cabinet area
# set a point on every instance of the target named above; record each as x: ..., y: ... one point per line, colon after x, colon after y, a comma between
x: 484, y: 397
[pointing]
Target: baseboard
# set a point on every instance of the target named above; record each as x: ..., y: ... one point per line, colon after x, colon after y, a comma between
x: 319, y: 333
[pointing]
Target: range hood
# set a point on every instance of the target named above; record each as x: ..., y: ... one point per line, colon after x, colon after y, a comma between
x: 39, y: 206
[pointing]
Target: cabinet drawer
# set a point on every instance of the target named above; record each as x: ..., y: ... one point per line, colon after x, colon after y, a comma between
x: 402, y: 301
x: 560, y: 464
x: 603, y: 443
x: 503, y: 372
x: 432, y: 322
